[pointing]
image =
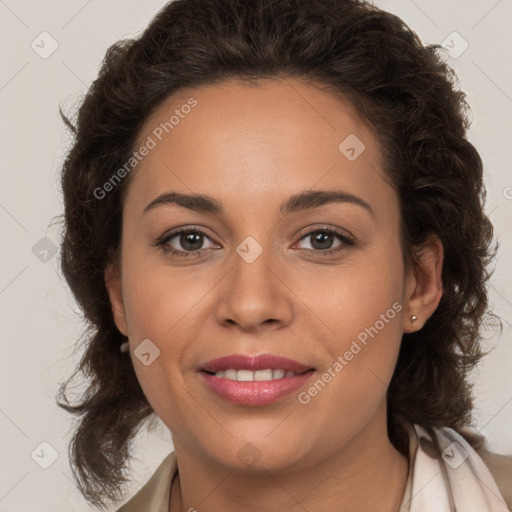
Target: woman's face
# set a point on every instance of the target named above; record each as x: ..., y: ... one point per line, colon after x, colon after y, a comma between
x: 263, y: 278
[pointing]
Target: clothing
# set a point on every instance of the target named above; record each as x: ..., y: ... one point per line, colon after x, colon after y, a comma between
x: 445, y: 475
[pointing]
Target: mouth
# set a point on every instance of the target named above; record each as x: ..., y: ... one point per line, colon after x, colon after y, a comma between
x: 254, y: 380
x: 255, y: 376
x: 254, y: 364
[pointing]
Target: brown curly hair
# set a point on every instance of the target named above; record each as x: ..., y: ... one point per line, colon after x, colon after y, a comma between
x: 410, y: 97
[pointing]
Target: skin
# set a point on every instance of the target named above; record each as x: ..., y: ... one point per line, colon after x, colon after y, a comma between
x: 251, y: 148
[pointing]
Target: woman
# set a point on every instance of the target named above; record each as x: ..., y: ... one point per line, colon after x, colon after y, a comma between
x: 275, y: 227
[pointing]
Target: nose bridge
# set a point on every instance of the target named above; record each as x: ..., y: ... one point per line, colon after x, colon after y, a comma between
x: 254, y: 293
x: 253, y: 281
x: 252, y: 263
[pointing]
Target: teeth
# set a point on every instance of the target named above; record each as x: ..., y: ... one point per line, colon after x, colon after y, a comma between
x: 278, y: 374
x: 248, y: 375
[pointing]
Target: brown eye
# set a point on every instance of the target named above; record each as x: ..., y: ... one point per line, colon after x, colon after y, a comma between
x: 184, y: 243
x: 322, y: 241
x: 191, y: 240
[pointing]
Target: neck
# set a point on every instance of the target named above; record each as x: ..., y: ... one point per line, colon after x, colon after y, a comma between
x: 367, y: 475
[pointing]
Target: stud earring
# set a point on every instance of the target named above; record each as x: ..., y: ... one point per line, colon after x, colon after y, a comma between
x: 124, y: 347
x: 413, y: 318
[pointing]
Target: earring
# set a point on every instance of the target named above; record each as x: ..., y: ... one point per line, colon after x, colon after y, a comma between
x: 413, y: 318
x: 124, y: 347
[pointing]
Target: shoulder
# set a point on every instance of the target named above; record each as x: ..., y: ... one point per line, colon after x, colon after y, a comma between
x: 486, y: 466
x: 155, y: 493
x: 500, y: 467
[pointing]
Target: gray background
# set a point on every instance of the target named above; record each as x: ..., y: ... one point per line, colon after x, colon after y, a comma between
x: 39, y: 320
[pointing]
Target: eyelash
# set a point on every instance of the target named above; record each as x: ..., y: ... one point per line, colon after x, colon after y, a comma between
x: 161, y: 242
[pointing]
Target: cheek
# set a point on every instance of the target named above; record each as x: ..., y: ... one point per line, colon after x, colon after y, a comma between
x: 157, y: 299
x: 166, y: 306
x: 155, y: 311
x: 362, y: 308
x: 354, y: 296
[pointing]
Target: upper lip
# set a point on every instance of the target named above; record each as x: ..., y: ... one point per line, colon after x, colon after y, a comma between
x: 254, y: 363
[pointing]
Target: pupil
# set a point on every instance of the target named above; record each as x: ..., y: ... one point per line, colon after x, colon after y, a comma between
x: 324, y: 238
x: 189, y: 239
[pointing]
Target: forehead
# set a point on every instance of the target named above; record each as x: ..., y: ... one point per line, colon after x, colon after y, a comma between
x: 244, y: 139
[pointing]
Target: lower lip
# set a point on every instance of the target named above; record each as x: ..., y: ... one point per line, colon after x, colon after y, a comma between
x: 255, y: 393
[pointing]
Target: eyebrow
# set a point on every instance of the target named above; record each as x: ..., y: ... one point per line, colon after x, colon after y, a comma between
x: 305, y: 200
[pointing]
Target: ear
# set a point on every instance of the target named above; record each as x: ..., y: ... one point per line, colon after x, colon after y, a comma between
x: 114, y: 289
x: 423, y: 284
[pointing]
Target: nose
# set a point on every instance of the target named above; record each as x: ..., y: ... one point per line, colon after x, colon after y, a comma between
x: 254, y: 295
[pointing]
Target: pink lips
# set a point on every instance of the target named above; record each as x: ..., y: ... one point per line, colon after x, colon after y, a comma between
x: 254, y: 363
x: 254, y: 393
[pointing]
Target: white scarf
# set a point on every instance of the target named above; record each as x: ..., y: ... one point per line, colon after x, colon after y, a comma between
x: 449, y: 476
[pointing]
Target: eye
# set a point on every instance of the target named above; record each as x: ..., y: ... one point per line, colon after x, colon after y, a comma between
x: 189, y: 242
x: 184, y: 243
x: 323, y: 238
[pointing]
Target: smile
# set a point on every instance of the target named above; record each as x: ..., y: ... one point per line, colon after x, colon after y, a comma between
x: 259, y: 375
x: 254, y: 389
